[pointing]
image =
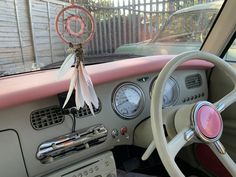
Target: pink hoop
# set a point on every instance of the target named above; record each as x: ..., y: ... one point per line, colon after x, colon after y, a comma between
x: 68, y: 28
x: 75, y: 18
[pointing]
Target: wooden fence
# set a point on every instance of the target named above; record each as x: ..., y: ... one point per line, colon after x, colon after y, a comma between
x: 28, y: 39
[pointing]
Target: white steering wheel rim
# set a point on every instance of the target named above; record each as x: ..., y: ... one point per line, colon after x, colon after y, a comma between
x: 156, y: 103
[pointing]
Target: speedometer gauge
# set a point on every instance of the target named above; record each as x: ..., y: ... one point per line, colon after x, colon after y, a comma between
x: 128, y: 100
x: 171, y: 92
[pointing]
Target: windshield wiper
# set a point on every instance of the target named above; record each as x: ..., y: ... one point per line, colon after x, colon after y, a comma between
x: 4, y: 73
x: 174, y: 37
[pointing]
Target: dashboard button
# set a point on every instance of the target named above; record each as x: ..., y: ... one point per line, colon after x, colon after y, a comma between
x: 96, y: 168
x: 107, y: 163
x: 114, y: 133
x: 85, y: 173
x: 90, y: 170
x: 123, y: 130
x: 143, y: 79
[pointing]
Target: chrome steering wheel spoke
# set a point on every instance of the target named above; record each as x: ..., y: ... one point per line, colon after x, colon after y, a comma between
x: 180, y: 140
x: 220, y: 147
x: 226, y: 101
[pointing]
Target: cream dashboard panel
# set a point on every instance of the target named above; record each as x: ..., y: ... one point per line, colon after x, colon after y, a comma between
x: 18, y: 118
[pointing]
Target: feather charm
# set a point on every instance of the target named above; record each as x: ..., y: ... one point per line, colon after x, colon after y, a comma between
x: 65, y: 67
x: 80, y: 81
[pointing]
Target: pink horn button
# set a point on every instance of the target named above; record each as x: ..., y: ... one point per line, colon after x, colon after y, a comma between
x: 209, y: 121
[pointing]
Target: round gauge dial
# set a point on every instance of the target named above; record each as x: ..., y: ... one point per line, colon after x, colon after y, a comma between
x: 128, y: 100
x: 171, y: 92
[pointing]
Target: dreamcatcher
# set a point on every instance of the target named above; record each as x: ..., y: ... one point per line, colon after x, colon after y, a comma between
x: 75, y: 26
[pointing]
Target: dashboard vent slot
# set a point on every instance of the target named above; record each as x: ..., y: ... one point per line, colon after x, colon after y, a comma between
x: 193, y: 81
x: 85, y: 111
x: 46, y: 117
x: 82, y: 112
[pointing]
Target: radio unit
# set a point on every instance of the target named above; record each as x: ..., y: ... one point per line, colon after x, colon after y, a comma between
x: 102, y: 165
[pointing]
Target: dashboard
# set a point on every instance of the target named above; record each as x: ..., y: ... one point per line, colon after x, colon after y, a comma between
x: 40, y: 133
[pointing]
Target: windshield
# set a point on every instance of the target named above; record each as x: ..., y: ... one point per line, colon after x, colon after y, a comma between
x: 115, y: 29
x: 188, y: 26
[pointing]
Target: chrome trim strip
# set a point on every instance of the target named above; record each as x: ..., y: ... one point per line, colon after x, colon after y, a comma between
x: 219, y: 146
x: 189, y: 135
x: 71, y: 143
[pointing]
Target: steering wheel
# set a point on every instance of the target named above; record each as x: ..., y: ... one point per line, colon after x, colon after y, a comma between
x: 200, y: 122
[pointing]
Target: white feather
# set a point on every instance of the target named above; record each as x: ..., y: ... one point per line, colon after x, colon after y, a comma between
x: 84, y: 89
x: 92, y: 93
x: 69, y: 61
x: 72, y: 86
x: 79, y: 99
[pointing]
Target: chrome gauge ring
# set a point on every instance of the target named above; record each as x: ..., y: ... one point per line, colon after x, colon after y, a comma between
x: 128, y: 100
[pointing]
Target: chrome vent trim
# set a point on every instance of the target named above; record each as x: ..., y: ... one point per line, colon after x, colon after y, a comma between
x: 71, y: 143
x: 193, y: 81
x: 46, y: 117
x: 85, y: 111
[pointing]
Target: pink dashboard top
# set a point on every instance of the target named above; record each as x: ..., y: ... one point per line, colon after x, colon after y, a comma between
x: 23, y: 88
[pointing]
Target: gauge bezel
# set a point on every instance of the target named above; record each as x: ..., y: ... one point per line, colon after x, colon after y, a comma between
x: 175, y: 100
x: 140, y: 106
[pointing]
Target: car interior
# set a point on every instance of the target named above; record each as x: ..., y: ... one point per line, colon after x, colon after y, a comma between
x: 160, y: 115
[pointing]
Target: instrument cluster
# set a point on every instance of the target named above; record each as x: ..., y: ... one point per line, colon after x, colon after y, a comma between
x: 128, y: 98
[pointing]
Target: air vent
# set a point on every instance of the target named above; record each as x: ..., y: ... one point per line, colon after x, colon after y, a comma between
x: 193, y: 81
x: 46, y: 117
x: 85, y: 111
x: 82, y: 112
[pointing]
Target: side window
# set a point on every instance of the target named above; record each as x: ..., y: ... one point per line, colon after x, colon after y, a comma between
x: 208, y: 18
x: 230, y: 56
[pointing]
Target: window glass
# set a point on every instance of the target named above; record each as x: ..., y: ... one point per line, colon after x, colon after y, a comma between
x: 123, y: 29
x: 230, y: 56
x: 190, y: 26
